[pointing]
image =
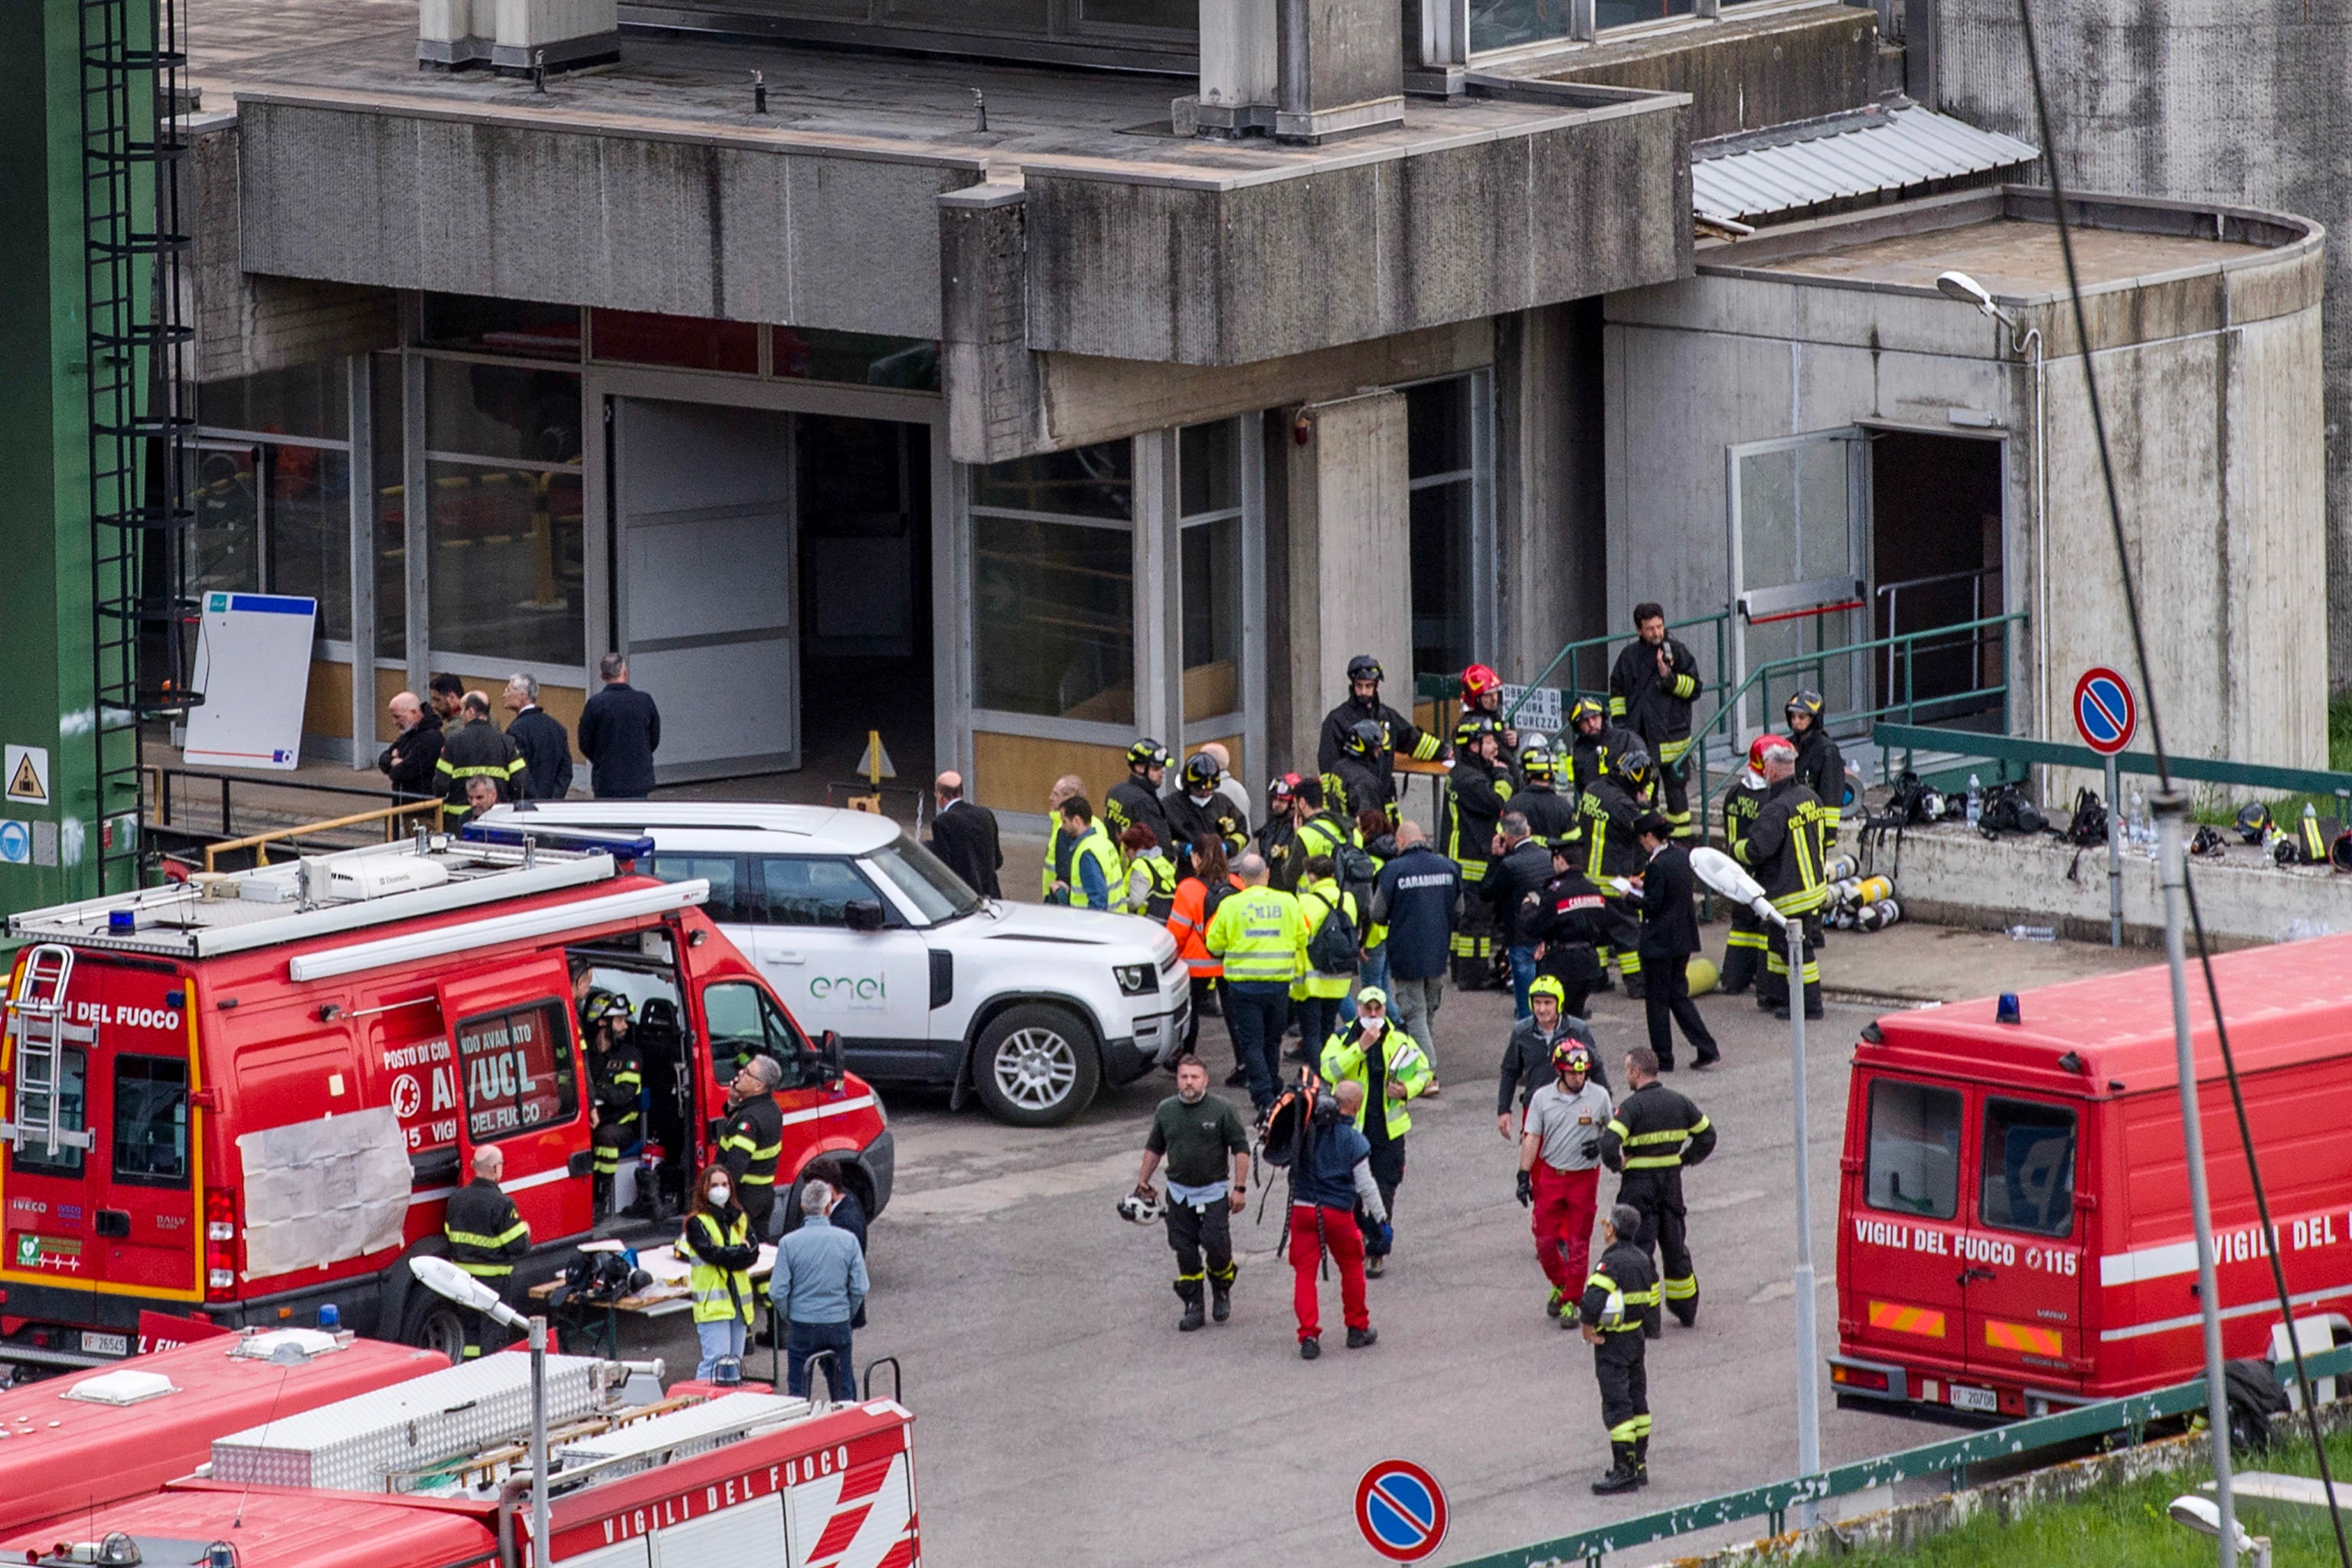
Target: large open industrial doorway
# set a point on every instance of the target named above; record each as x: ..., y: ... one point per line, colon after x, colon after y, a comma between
x: 1936, y: 559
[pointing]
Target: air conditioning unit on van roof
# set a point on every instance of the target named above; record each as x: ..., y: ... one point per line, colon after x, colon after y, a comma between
x: 374, y: 876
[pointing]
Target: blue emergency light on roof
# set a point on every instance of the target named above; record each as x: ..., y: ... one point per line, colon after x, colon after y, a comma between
x: 123, y: 919
x: 2006, y: 1010
x: 618, y: 845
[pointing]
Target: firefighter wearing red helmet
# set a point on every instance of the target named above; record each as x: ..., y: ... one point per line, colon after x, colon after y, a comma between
x: 1559, y: 1167
x: 1744, y: 949
x: 1481, y: 695
x: 1400, y: 734
x: 1650, y: 689
x: 1786, y: 846
x: 1298, y: 828
x: 1477, y: 791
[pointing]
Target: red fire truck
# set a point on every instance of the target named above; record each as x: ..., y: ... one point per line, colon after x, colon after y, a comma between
x: 432, y: 1471
x: 248, y: 1096
x: 2013, y: 1221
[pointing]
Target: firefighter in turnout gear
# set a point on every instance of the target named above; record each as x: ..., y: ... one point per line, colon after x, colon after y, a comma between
x: 477, y: 749
x: 1653, y: 1135
x: 1820, y: 766
x: 486, y: 1235
x: 1362, y: 773
x: 1609, y: 805
x: 1595, y: 742
x: 1278, y: 834
x: 1651, y: 689
x: 1476, y: 793
x: 1200, y: 811
x: 616, y: 1075
x: 1785, y: 847
x: 754, y: 1138
x: 1135, y: 802
x: 1399, y: 733
x: 1620, y: 1304
x: 1551, y: 815
x: 1744, y: 950
x: 1481, y: 696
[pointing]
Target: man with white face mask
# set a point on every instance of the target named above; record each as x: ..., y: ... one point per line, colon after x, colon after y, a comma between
x: 1195, y: 1131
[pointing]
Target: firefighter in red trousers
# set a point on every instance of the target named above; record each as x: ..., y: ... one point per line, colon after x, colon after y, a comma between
x: 1559, y: 1172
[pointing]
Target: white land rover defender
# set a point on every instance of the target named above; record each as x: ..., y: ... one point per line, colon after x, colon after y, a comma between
x: 863, y: 932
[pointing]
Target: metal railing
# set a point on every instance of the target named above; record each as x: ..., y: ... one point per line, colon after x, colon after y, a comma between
x: 1909, y: 738
x: 1891, y: 595
x: 1719, y: 623
x: 259, y: 843
x: 1952, y: 1456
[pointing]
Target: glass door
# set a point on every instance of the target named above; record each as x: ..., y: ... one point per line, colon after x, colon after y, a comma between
x: 1800, y: 559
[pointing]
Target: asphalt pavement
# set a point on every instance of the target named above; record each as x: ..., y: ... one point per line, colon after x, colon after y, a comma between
x: 1059, y: 1410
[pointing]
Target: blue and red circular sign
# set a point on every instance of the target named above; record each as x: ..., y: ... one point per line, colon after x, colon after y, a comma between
x: 1402, y: 1510
x: 2106, y: 711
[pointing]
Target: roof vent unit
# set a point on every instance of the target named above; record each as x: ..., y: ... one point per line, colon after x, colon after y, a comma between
x: 518, y: 37
x: 376, y: 877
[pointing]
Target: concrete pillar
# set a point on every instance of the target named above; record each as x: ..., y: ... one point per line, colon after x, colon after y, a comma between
x: 1348, y: 536
x: 1342, y: 67
x: 987, y: 373
x: 1238, y: 56
x: 1550, y: 520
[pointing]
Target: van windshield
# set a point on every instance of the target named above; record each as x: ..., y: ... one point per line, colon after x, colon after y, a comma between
x: 915, y: 871
x: 2029, y: 1167
x: 1915, y: 1148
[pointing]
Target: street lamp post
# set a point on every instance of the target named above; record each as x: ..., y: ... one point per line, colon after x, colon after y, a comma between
x: 444, y: 1278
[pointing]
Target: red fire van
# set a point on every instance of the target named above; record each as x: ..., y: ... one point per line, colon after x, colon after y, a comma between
x: 2013, y: 1220
x: 245, y: 1097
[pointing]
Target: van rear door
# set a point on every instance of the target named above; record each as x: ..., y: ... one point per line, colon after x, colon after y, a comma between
x: 2022, y: 1258
x: 1900, y: 1286
x: 114, y: 1210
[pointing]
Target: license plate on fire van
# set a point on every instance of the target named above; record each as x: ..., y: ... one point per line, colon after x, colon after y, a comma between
x: 1983, y: 1400
x: 105, y: 1344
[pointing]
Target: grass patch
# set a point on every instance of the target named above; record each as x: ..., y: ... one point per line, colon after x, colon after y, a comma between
x: 2339, y: 732
x: 2124, y: 1525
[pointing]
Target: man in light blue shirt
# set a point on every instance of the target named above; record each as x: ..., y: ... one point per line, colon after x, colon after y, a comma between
x: 817, y: 1287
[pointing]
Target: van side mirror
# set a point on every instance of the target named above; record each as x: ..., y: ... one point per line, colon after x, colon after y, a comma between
x: 862, y: 914
x: 828, y: 1056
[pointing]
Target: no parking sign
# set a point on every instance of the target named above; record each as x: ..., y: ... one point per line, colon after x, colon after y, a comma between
x: 1402, y: 1510
x: 2106, y: 711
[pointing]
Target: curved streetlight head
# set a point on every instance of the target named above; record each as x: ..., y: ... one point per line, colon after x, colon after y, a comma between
x: 2202, y: 1515
x: 444, y: 1278
x: 1959, y: 286
x: 1726, y: 876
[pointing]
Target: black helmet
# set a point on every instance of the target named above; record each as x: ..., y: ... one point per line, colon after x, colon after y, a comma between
x: 1585, y: 707
x: 2253, y: 821
x: 1633, y: 765
x: 1327, y: 1111
x: 1807, y: 703
x: 1147, y: 754
x: 1535, y: 763
x: 601, y: 1007
x: 1366, y: 737
x: 1475, y: 725
x: 1364, y: 667
x: 1201, y: 771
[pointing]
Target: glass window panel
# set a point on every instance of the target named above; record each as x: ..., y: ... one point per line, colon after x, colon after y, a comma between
x: 1440, y: 520
x: 812, y: 892
x: 1091, y: 481
x: 1209, y: 461
x: 1028, y: 16
x: 1181, y: 15
x: 310, y: 531
x: 1053, y: 619
x: 519, y: 1070
x: 73, y: 1112
x: 744, y: 1024
x: 937, y: 892
x: 723, y: 872
x: 1915, y: 1148
x: 1624, y: 13
x: 150, y: 1120
x: 693, y: 343
x: 506, y: 570
x: 502, y: 411
x: 224, y: 547
x: 861, y: 359
x: 2028, y: 1168
x: 1437, y: 428
x: 502, y: 326
x: 1211, y: 558
x: 307, y: 400
x: 1504, y: 24
x: 391, y: 515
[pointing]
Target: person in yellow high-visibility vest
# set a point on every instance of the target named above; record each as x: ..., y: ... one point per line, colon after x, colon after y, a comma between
x: 1316, y: 995
x: 718, y: 1246
x: 1376, y: 1052
x: 1083, y: 869
x: 1259, y: 934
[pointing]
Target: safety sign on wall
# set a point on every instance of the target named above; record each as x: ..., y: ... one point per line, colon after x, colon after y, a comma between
x: 1542, y: 710
x: 28, y: 772
x: 16, y: 843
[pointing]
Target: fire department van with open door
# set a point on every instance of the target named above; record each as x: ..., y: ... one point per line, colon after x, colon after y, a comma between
x: 2013, y: 1221
x: 243, y: 1097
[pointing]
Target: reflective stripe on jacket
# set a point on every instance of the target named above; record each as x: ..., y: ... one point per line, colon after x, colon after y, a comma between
x: 718, y: 1293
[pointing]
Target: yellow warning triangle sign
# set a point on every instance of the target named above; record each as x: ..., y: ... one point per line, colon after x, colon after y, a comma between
x: 875, y: 765
x: 24, y: 784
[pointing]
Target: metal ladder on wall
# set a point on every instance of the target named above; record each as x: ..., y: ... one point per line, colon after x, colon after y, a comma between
x: 36, y: 1027
x: 142, y: 411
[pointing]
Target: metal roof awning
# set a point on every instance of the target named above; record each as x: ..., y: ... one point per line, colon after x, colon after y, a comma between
x: 1888, y: 146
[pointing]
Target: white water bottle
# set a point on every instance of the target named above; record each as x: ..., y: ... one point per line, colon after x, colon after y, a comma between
x: 1976, y: 800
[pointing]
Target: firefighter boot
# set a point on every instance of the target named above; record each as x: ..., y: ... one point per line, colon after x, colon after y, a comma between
x: 601, y: 1196
x: 1188, y: 1292
x: 1221, y: 1294
x: 1622, y: 1477
x: 1642, y: 1458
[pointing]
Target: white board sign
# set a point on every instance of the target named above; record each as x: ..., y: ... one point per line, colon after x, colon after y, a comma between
x: 253, y: 664
x: 1540, y: 711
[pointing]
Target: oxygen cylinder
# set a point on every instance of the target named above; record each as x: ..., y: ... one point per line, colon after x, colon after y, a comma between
x: 1879, y: 916
x: 1841, y: 867
x: 1875, y: 890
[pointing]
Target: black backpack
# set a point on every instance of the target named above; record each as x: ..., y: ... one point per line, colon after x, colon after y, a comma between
x: 2088, y: 826
x: 1211, y: 895
x: 1357, y: 873
x: 1290, y: 1132
x: 1334, y: 947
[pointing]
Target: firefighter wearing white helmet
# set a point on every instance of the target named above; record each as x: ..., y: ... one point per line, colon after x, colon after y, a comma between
x: 1197, y: 1134
x: 1744, y: 950
x: 1399, y: 732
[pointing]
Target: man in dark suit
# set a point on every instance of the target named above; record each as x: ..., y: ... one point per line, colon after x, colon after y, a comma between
x: 963, y: 836
x: 620, y: 729
x: 539, y: 736
x: 1669, y: 937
